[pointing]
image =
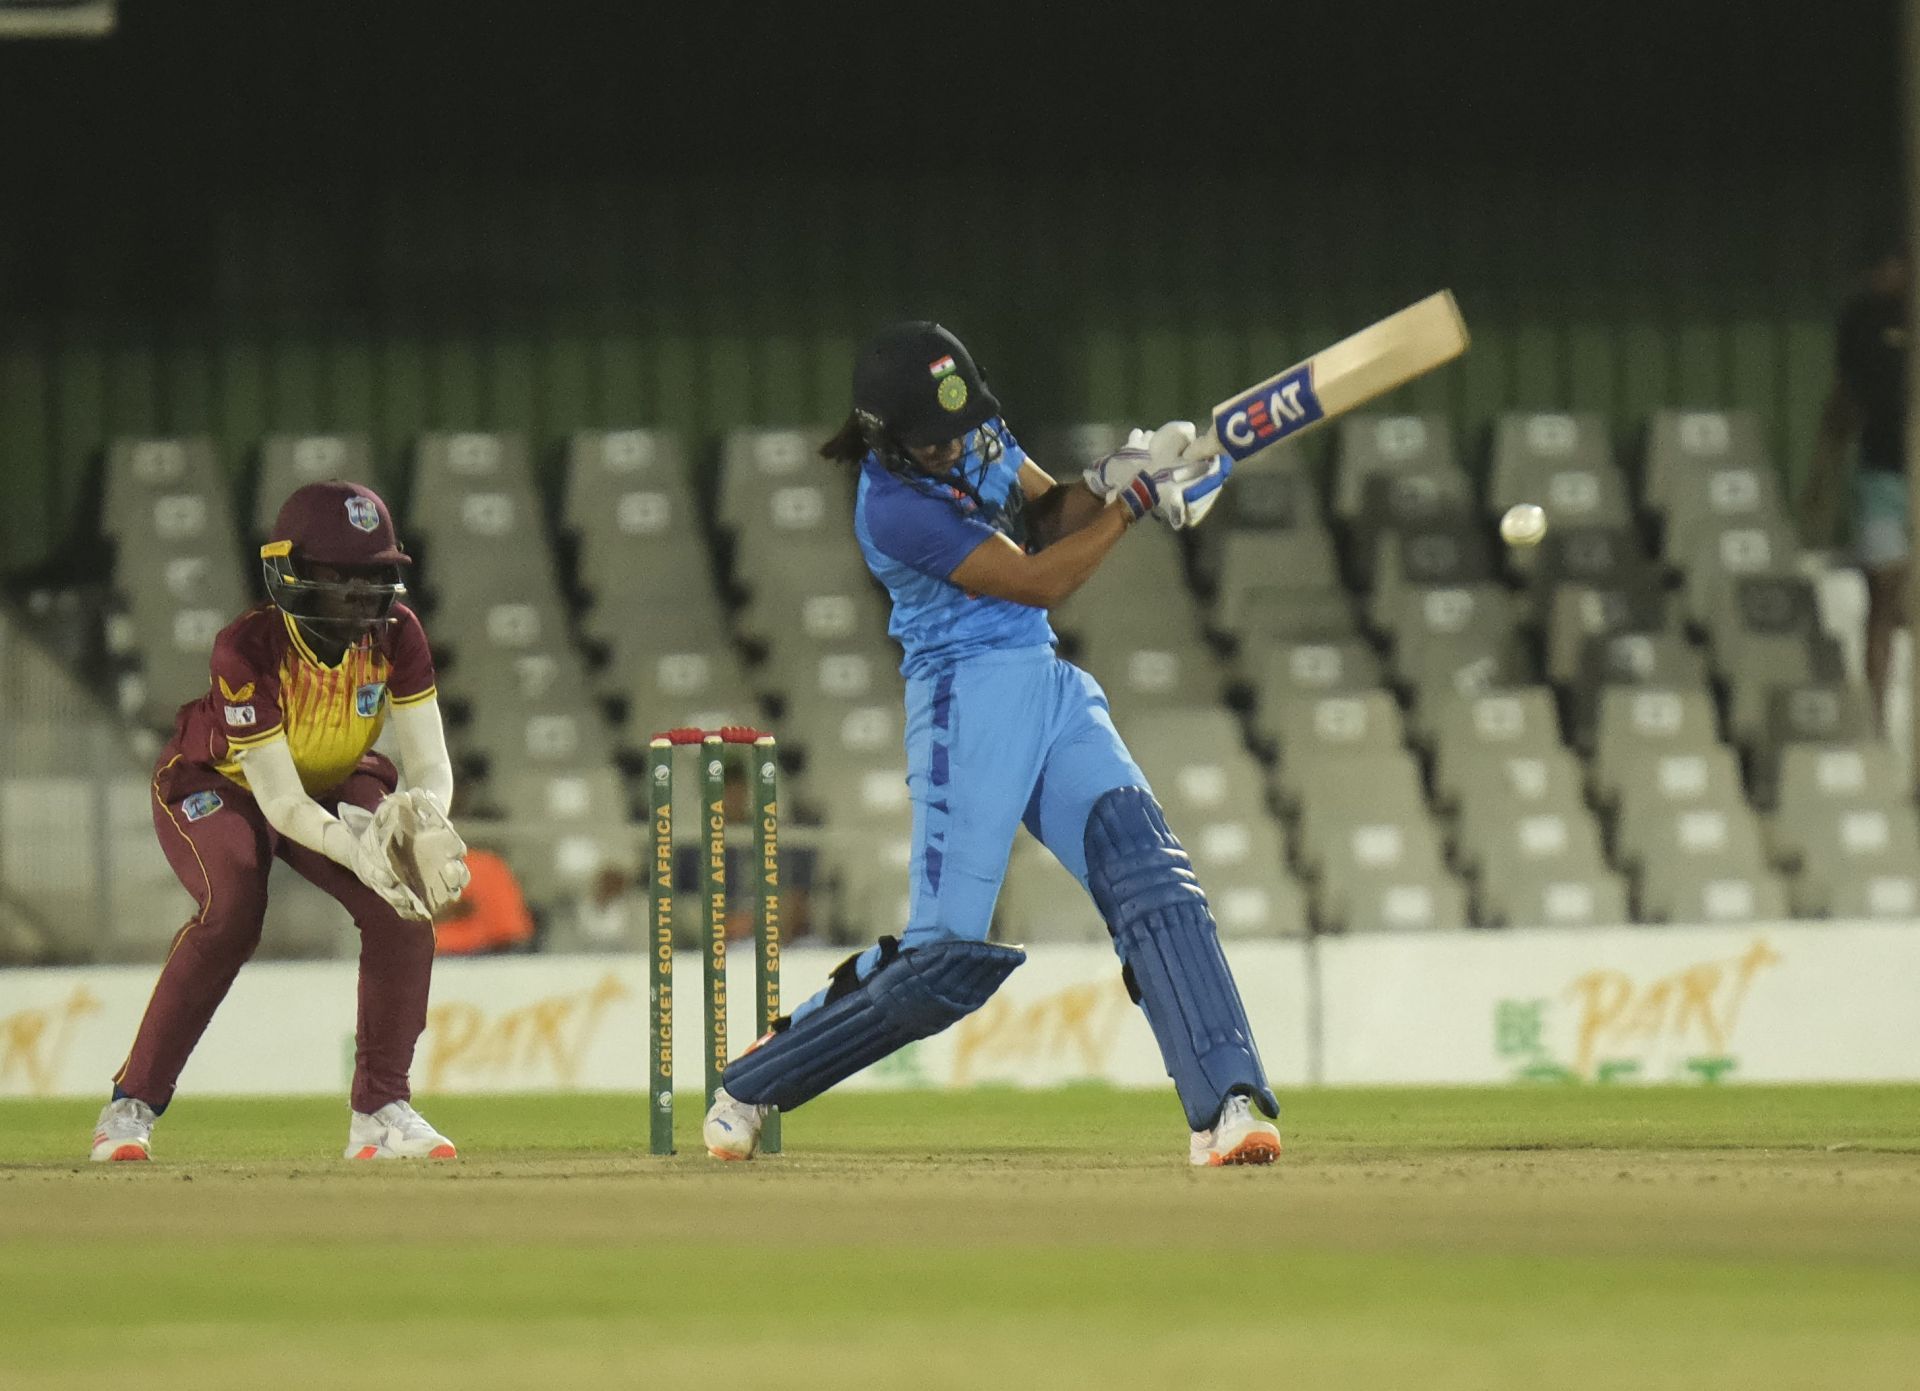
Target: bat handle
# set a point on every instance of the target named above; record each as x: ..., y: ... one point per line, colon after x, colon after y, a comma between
x: 1204, y: 447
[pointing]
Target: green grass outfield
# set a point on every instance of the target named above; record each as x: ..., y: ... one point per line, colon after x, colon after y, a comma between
x: 1557, y: 1238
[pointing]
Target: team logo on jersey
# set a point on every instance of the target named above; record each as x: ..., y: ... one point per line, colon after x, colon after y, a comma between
x: 200, y: 805
x: 242, y: 716
x: 953, y: 392
x: 366, y: 700
x: 245, y: 693
x: 363, y: 514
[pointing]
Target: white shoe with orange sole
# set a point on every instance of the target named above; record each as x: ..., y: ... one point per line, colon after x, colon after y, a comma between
x: 1238, y: 1137
x: 123, y: 1132
x: 732, y: 1128
x: 396, y: 1131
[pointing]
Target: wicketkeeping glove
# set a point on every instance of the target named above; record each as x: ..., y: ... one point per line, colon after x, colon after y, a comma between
x: 374, y: 834
x: 433, y: 862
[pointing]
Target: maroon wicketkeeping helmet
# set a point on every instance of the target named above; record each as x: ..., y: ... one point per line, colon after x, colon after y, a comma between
x: 344, y: 529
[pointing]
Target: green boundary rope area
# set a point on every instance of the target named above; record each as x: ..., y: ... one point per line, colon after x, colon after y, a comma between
x: 1556, y: 1236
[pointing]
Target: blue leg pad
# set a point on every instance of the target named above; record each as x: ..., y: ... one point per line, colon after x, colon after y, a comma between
x: 1146, y: 889
x: 911, y: 994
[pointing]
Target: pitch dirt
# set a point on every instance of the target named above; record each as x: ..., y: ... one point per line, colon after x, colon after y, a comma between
x: 1571, y: 1238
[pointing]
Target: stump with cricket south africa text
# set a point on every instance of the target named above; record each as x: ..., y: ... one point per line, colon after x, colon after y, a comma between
x: 763, y: 818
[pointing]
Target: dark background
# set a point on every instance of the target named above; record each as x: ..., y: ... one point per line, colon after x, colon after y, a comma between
x: 235, y: 219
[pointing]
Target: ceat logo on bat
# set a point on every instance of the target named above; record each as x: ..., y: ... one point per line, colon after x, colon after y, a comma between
x: 1271, y: 411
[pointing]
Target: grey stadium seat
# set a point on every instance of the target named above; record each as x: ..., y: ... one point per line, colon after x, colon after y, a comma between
x: 1704, y: 777
x: 1706, y: 500
x: 288, y: 462
x: 1462, y: 665
x: 1819, y: 781
x: 1576, y: 612
x: 1285, y: 672
x: 1813, y: 712
x: 1448, y: 552
x: 1620, y: 661
x: 1605, y: 557
x: 826, y: 596
x: 474, y: 484
x: 1518, y: 898
x: 1496, y: 791
x: 775, y: 528
x: 1563, y: 842
x: 701, y: 687
x: 1882, y: 895
x: 1431, y: 902
x: 1279, y: 585
x: 1041, y: 902
x: 1381, y: 847
x: 1468, y: 732
x: 1379, y: 786
x: 1401, y: 501
x: 142, y: 474
x: 1718, y: 832
x: 1684, y: 441
x: 1389, y: 444
x: 177, y: 566
x: 1637, y: 725
x: 1314, y: 736
x: 1723, y: 554
x: 1563, y: 463
x: 1137, y: 674
x: 1855, y: 844
x: 608, y: 469
x: 1683, y: 891
x: 1757, y: 666
x: 755, y: 465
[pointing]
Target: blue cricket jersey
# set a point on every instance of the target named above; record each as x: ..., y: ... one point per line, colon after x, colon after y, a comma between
x: 914, y: 533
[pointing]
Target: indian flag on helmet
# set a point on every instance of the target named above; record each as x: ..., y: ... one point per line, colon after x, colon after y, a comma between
x: 940, y: 367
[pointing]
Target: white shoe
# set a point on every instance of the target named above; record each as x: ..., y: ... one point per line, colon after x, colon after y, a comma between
x: 396, y: 1131
x: 124, y: 1131
x: 732, y: 1128
x: 1238, y: 1137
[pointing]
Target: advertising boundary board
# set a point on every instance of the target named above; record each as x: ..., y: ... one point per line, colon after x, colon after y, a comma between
x: 1780, y: 1003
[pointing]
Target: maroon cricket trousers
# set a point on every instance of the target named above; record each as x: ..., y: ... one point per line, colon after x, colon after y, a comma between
x: 223, y: 858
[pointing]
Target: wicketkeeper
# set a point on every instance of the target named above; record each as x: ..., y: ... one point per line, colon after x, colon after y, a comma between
x: 276, y: 760
x: 974, y: 542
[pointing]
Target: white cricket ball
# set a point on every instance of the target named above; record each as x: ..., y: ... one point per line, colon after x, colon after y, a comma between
x: 1524, y: 525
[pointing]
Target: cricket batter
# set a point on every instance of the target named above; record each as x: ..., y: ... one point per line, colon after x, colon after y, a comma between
x: 301, y: 687
x: 974, y: 543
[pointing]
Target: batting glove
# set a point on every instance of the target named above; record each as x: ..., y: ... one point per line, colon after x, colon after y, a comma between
x: 1108, y: 475
x: 1186, y: 489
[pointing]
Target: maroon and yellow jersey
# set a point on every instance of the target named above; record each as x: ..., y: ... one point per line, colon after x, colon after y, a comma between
x: 267, y: 682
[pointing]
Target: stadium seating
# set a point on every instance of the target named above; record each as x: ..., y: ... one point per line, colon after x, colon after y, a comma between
x: 177, y: 570
x: 288, y: 462
x: 1362, y: 713
x: 502, y: 636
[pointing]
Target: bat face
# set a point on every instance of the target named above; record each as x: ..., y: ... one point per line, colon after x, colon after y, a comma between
x: 1337, y: 379
x: 1278, y: 407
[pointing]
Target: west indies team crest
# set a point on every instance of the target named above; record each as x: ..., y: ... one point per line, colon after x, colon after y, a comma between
x: 363, y: 514
x: 366, y: 699
x: 200, y: 805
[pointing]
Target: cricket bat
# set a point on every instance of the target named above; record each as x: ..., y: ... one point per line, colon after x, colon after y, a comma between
x: 1336, y: 380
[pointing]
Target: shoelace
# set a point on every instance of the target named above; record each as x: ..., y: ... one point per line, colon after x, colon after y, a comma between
x: 125, y: 1119
x: 410, y: 1122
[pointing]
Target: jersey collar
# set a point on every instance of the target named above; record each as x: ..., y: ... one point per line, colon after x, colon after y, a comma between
x: 307, y: 654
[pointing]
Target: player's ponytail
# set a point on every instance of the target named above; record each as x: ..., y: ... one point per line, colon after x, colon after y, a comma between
x: 849, y: 445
